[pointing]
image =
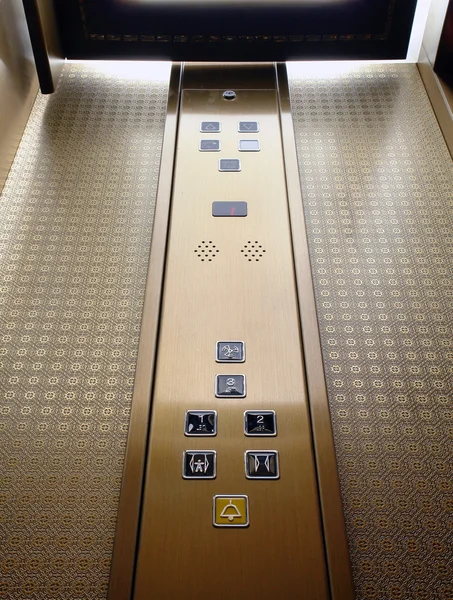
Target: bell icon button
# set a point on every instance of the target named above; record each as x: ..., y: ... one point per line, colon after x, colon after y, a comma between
x: 231, y: 511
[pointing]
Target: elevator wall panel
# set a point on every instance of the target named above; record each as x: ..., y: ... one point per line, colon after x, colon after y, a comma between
x: 18, y: 81
x: 377, y: 184
x: 76, y: 218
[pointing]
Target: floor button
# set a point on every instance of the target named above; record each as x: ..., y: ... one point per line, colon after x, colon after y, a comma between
x: 201, y: 423
x: 230, y: 386
x: 210, y: 127
x: 199, y: 464
x: 248, y: 127
x: 249, y: 146
x: 262, y: 464
x: 260, y: 423
x: 231, y: 511
x: 230, y: 352
x: 229, y: 209
x: 209, y: 145
x: 229, y: 165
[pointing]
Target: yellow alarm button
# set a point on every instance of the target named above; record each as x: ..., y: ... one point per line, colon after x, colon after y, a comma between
x: 231, y: 511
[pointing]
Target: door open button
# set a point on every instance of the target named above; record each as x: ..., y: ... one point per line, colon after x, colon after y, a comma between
x: 199, y: 464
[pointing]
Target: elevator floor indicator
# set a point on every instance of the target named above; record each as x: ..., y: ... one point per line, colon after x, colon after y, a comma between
x: 231, y: 511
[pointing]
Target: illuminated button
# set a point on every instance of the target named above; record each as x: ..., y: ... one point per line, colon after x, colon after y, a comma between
x: 261, y: 464
x: 230, y: 352
x: 229, y: 165
x: 249, y: 146
x: 229, y: 209
x: 199, y: 464
x: 210, y: 127
x: 230, y: 386
x: 260, y: 423
x: 200, y: 423
x: 248, y: 126
x: 209, y: 145
x: 231, y: 511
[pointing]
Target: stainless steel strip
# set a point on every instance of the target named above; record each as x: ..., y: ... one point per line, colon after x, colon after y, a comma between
x: 123, y: 562
x: 340, y: 576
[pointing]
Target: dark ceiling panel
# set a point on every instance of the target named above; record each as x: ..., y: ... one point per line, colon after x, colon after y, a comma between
x: 228, y: 30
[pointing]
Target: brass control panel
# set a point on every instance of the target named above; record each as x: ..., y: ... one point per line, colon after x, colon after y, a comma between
x: 230, y: 507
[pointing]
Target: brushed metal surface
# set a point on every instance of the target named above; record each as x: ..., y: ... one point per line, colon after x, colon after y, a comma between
x: 18, y: 81
x: 377, y: 182
x: 230, y: 297
x: 123, y: 560
x: 340, y: 575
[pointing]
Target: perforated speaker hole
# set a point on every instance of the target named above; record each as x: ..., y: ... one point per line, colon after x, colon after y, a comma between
x: 206, y: 251
x: 253, y: 251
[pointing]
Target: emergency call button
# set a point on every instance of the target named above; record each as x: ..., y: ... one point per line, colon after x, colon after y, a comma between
x: 231, y: 511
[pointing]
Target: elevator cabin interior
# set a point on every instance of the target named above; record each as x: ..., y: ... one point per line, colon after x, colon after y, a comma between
x: 227, y: 298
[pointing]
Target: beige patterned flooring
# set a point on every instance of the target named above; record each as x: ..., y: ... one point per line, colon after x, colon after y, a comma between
x: 76, y: 219
x: 377, y: 182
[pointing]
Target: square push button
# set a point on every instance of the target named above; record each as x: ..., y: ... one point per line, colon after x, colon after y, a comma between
x: 209, y: 145
x: 231, y: 511
x: 261, y: 464
x: 199, y: 464
x: 248, y: 127
x: 249, y: 146
x: 230, y: 386
x: 201, y: 423
x: 230, y: 352
x: 260, y: 423
x: 229, y: 209
x: 210, y: 127
x: 229, y: 165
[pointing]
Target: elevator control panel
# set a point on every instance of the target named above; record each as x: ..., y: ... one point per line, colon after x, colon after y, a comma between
x: 231, y: 479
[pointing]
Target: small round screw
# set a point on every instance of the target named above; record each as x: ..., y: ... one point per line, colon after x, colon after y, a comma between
x: 229, y: 95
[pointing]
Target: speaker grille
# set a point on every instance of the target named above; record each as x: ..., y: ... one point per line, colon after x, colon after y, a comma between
x: 253, y: 251
x: 206, y: 251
